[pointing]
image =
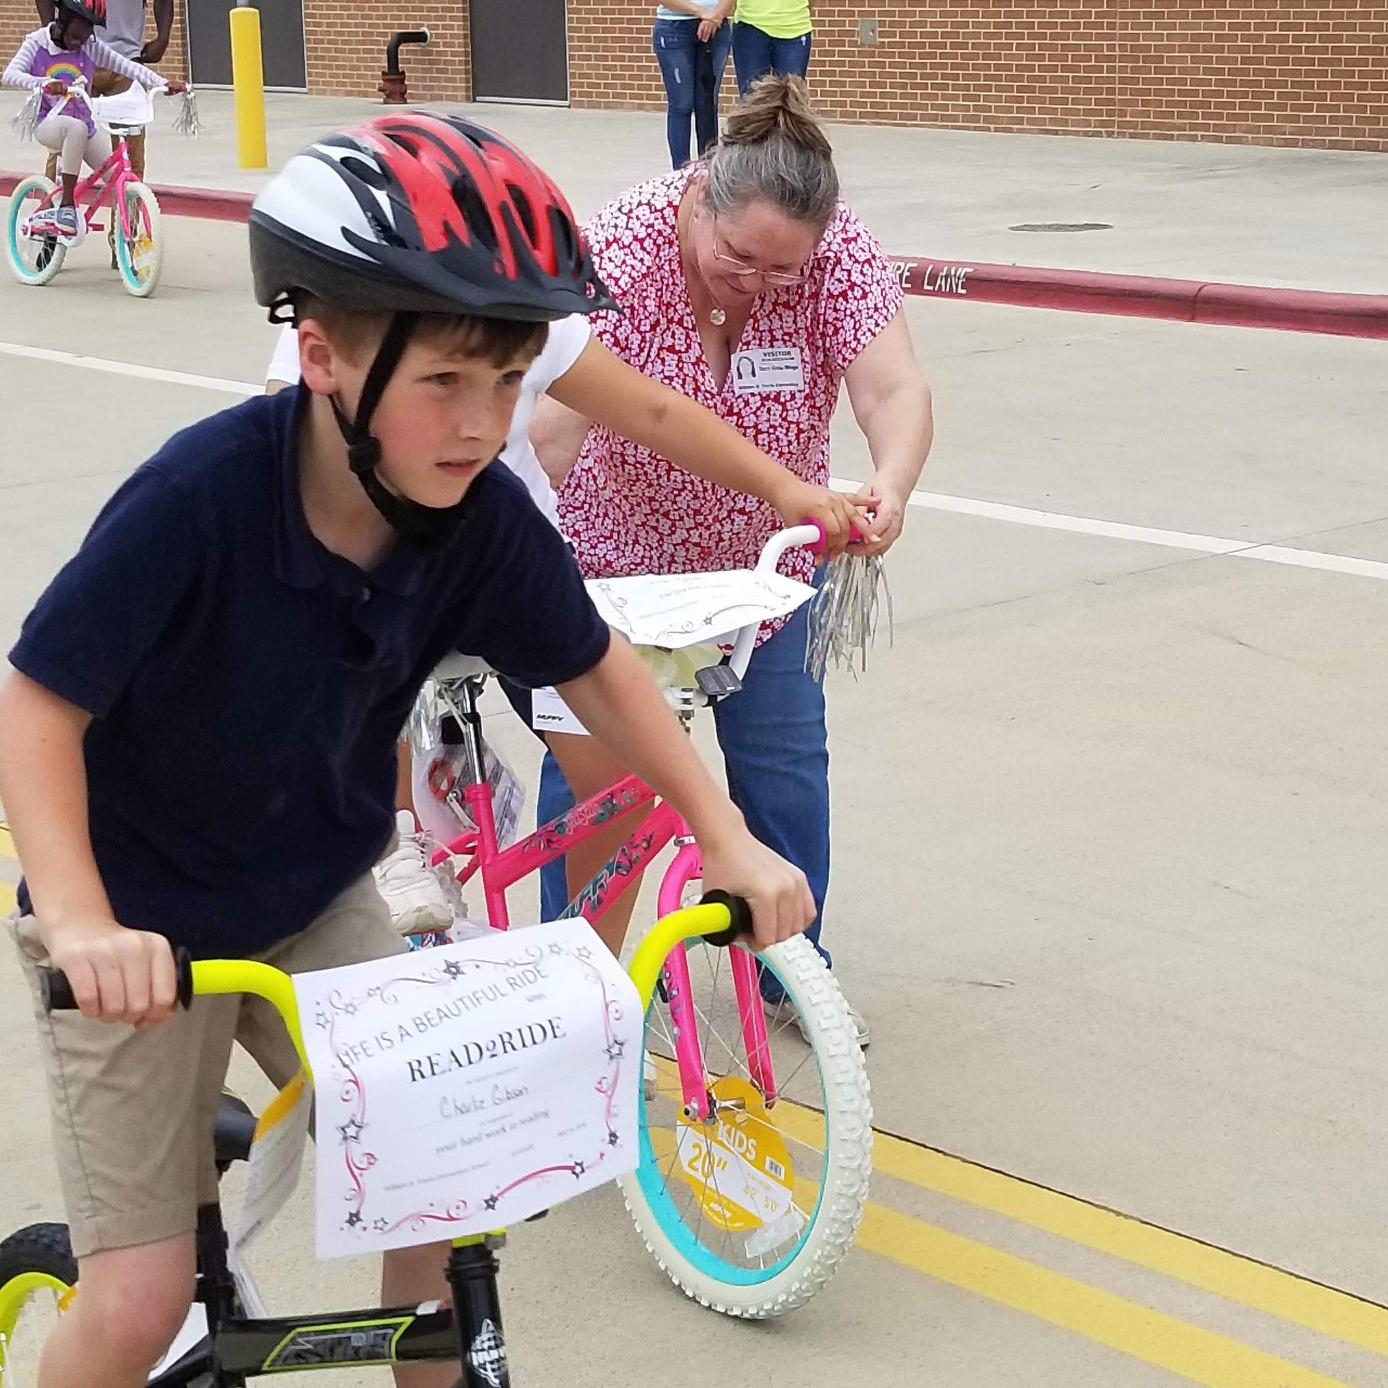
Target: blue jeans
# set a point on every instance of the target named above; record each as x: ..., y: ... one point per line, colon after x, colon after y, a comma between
x: 755, y: 53
x: 775, y: 750
x: 693, y: 77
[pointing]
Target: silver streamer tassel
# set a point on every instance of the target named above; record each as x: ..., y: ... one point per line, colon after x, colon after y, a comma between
x: 844, y: 613
x: 26, y: 119
x: 187, y: 120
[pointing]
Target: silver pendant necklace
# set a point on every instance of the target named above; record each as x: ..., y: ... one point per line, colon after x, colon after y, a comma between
x: 717, y: 317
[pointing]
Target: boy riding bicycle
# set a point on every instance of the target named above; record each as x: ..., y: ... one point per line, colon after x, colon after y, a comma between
x: 197, y: 741
x: 56, y: 59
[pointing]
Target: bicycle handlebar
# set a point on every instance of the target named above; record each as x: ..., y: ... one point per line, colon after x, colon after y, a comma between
x: 811, y: 536
x: 719, y: 919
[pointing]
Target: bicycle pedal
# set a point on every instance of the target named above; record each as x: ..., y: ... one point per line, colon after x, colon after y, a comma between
x: 717, y: 681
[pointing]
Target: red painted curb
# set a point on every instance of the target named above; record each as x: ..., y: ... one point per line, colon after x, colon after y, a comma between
x: 211, y: 204
x: 1075, y: 291
x: 1141, y: 296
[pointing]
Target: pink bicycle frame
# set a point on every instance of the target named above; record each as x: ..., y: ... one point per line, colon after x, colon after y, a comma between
x: 111, y: 178
x: 500, y: 869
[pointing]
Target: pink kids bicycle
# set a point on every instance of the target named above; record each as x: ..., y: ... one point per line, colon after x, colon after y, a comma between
x: 755, y: 1135
x: 36, y: 253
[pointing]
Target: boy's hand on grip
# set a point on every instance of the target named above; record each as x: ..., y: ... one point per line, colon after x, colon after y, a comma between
x: 777, y: 892
x: 116, y: 974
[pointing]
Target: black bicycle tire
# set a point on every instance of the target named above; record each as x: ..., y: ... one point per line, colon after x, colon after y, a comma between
x: 45, y: 1248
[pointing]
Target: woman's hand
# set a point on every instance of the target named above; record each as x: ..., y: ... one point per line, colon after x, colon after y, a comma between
x: 55, y: 88
x: 708, y: 28
x: 840, y: 514
x: 174, y: 87
x: 888, y: 510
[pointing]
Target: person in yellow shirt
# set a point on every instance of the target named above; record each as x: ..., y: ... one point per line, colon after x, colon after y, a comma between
x: 770, y: 36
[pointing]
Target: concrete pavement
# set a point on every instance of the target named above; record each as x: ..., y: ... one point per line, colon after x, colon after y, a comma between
x: 1109, y: 813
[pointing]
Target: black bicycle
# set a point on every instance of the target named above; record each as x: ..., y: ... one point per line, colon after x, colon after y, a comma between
x: 228, y: 1337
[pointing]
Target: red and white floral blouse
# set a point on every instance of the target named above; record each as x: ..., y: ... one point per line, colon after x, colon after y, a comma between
x: 629, y: 511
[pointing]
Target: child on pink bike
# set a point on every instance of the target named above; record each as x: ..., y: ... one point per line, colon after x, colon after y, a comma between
x: 54, y: 59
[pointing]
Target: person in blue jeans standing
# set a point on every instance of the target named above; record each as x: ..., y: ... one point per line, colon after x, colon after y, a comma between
x: 771, y: 36
x: 747, y: 258
x: 692, y: 40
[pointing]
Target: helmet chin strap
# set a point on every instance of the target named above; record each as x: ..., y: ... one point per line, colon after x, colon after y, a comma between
x: 425, y: 526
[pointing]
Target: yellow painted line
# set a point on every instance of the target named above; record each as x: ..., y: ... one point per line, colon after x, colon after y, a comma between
x: 1137, y: 1331
x: 1290, y: 1298
x: 6, y: 851
x: 1253, y: 1284
x: 1200, y: 1355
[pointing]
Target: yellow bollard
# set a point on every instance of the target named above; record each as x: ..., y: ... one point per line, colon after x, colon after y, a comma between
x: 248, y: 83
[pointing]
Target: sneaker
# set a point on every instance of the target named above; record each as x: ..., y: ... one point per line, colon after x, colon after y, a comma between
x: 412, y: 890
x: 66, y: 226
x: 783, y: 1011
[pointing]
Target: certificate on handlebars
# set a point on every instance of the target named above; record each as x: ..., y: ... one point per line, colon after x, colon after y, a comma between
x: 462, y: 1088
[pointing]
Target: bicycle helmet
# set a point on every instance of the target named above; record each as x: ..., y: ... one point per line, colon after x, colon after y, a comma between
x: 93, y: 11
x: 417, y: 212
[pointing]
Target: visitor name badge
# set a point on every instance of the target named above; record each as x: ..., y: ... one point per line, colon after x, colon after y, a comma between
x: 762, y: 369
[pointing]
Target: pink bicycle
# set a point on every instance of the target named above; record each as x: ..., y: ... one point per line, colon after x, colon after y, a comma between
x: 755, y: 1138
x: 36, y: 253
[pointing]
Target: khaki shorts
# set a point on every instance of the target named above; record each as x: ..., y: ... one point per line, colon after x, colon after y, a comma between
x: 133, y: 1111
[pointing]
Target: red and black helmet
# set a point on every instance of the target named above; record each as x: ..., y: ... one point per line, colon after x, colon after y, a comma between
x: 411, y: 213
x: 94, y: 11
x: 425, y: 212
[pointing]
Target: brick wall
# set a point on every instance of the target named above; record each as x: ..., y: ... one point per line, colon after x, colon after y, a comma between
x: 346, y: 47
x: 1282, y: 72
x: 19, y: 17
x: 1274, y: 73
x: 345, y: 44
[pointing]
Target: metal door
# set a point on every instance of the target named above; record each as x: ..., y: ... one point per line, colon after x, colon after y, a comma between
x: 281, y: 43
x: 520, y: 51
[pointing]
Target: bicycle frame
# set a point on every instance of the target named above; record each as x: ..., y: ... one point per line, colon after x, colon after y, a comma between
x: 500, y: 869
x: 236, y: 1347
x: 109, y: 180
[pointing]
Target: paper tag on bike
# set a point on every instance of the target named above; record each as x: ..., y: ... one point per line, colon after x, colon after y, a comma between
x: 550, y: 714
x: 739, y: 1168
x: 464, y: 1088
x: 277, y: 1155
x: 439, y: 778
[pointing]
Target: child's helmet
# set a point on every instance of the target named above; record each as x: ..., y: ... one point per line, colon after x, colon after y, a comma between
x: 417, y: 212
x: 94, y: 11
x: 426, y: 212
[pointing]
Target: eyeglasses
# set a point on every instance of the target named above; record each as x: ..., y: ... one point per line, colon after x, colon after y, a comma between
x: 745, y: 271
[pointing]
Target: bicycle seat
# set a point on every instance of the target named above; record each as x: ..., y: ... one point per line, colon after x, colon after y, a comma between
x: 233, y: 1132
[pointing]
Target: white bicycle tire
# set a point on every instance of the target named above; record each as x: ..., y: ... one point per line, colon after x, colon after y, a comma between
x: 848, y: 1113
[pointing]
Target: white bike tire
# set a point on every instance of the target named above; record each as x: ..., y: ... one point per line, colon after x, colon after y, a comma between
x: 141, y: 288
x: 36, y: 278
x: 848, y: 1115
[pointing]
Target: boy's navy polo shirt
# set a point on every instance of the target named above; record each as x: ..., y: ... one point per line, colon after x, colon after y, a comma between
x: 248, y: 687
